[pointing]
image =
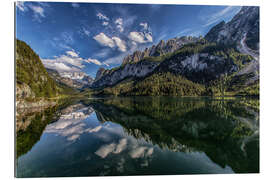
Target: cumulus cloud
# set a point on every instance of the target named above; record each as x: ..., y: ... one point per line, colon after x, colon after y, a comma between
x: 61, y: 66
x: 104, y: 40
x: 70, y: 62
x: 102, y: 16
x: 64, y: 63
x: 144, y: 25
x: 120, y: 44
x: 136, y: 36
x: 140, y: 37
x: 119, y: 24
x: 72, y: 53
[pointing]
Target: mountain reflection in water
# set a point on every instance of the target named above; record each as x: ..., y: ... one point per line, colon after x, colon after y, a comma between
x: 144, y: 135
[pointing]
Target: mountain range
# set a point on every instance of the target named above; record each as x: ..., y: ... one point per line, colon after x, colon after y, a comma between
x: 225, y: 61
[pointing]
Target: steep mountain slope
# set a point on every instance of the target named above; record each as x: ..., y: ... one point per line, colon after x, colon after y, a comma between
x: 32, y: 79
x: 243, y: 32
x: 139, y: 64
x: 244, y: 24
x: 222, y: 61
x: 111, y: 77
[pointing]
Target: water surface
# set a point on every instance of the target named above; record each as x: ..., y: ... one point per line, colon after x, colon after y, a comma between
x: 139, y: 136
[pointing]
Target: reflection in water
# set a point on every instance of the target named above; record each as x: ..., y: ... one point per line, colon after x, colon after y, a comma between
x: 71, y: 124
x: 131, y: 136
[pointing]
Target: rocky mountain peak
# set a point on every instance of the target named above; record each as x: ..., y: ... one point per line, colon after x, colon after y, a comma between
x: 160, y: 49
x: 245, y: 24
x: 100, y: 73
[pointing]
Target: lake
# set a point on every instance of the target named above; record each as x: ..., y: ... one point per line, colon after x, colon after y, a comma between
x: 140, y: 136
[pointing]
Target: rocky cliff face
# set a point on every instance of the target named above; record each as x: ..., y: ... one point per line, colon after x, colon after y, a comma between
x: 111, y: 77
x: 200, y: 67
x: 160, y: 49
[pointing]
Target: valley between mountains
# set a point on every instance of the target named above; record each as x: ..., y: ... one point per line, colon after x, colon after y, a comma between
x: 225, y: 62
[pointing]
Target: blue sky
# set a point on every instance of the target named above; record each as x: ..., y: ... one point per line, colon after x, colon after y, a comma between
x: 87, y: 36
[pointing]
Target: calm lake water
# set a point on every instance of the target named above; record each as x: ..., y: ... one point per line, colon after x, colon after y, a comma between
x: 139, y: 136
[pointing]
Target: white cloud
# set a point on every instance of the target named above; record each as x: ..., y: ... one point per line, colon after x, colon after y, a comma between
x: 105, y: 23
x: 59, y: 66
x: 104, y: 40
x: 134, y: 43
x: 136, y: 36
x: 75, y: 5
x: 70, y: 62
x: 149, y: 37
x: 62, y: 66
x: 21, y: 6
x: 72, y: 53
x: 120, y: 44
x: 95, y: 61
x: 106, y: 64
x: 102, y: 17
x: 144, y: 25
x: 120, y: 28
x: 39, y: 11
x: 37, y: 8
x: 140, y: 37
x: 119, y: 24
x: 119, y: 21
x: 66, y: 62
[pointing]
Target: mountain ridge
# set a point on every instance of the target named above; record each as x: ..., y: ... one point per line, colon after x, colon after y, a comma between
x: 206, y: 61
